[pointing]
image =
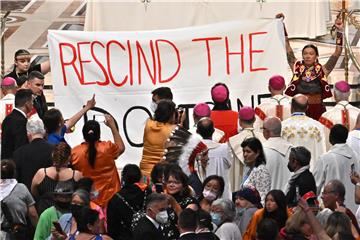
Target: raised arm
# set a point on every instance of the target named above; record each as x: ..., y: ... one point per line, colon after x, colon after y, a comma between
x: 316, y: 226
x: 74, y: 119
x: 110, y: 122
x: 289, y: 51
x: 45, y: 67
x: 331, y: 62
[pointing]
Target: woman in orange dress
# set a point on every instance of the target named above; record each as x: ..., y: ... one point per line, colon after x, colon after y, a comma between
x: 96, y: 159
x: 156, y: 132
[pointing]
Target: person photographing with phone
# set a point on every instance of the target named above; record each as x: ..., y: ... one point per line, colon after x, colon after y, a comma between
x: 157, y: 130
x: 96, y: 159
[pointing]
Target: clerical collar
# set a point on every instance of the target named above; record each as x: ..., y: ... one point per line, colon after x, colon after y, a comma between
x: 298, y: 114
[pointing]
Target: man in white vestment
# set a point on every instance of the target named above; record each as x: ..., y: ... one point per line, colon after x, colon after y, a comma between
x: 8, y: 89
x: 246, y: 122
x: 301, y: 130
x: 203, y: 110
x: 342, y: 113
x: 338, y: 163
x: 277, y: 152
x: 278, y: 105
x: 219, y: 161
x: 353, y: 139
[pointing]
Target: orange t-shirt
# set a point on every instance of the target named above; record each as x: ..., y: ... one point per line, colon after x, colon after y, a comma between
x: 104, y: 174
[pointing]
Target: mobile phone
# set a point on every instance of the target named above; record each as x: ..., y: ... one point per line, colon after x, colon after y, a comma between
x: 159, y: 187
x: 352, y: 168
x: 59, y: 228
x: 99, y: 118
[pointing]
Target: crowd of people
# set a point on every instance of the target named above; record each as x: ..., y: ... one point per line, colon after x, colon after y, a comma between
x: 286, y: 169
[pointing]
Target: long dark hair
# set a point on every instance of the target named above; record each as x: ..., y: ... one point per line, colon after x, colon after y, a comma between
x: 255, y: 145
x: 310, y: 46
x: 164, y: 111
x: 280, y: 215
x: 91, y: 133
x: 86, y: 216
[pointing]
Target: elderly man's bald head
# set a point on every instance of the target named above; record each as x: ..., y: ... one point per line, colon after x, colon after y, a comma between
x: 272, y: 127
x: 299, y: 103
x: 205, y: 128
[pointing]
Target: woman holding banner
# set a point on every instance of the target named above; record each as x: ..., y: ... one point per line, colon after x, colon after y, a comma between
x: 309, y: 76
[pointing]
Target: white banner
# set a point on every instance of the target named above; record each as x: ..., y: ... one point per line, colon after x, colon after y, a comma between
x: 122, y: 68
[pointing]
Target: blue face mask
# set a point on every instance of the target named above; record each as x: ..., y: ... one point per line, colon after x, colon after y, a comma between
x: 215, y: 218
x: 240, y: 211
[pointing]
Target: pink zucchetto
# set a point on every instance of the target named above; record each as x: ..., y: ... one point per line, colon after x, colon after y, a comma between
x: 202, y: 110
x: 342, y: 86
x: 246, y: 113
x: 8, y: 82
x: 277, y: 82
x: 219, y: 93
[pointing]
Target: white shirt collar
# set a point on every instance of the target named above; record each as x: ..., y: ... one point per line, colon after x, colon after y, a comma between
x: 21, y: 111
x: 156, y: 224
x: 184, y: 233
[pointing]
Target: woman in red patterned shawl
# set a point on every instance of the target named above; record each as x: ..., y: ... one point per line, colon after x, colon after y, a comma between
x: 309, y: 76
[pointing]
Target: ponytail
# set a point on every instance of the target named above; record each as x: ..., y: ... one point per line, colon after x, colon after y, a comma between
x: 91, y: 133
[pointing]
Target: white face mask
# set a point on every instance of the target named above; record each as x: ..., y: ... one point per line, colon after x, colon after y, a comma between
x: 162, y: 217
x: 153, y: 106
x: 209, y: 195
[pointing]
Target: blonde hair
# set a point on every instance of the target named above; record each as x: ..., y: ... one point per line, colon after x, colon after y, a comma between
x: 296, y: 221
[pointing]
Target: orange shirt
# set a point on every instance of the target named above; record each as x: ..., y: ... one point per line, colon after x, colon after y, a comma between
x: 104, y: 174
x: 155, y: 136
x: 250, y: 233
x: 227, y: 121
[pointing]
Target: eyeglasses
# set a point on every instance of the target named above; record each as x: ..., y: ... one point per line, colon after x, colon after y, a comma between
x: 173, y: 182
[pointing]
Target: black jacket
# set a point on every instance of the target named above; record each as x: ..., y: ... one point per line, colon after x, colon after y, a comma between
x: 119, y: 215
x: 305, y: 182
x: 14, y: 133
x: 30, y: 158
x: 146, y: 230
x: 188, y: 236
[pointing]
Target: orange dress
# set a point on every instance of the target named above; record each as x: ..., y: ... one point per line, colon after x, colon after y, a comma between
x: 104, y: 174
x: 155, y: 136
x: 250, y: 233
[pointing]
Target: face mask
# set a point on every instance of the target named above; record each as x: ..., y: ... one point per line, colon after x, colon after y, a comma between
x: 290, y: 167
x: 75, y: 209
x: 162, y: 217
x: 215, y: 218
x: 209, y: 195
x: 63, y: 205
x: 153, y: 106
x: 240, y: 211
